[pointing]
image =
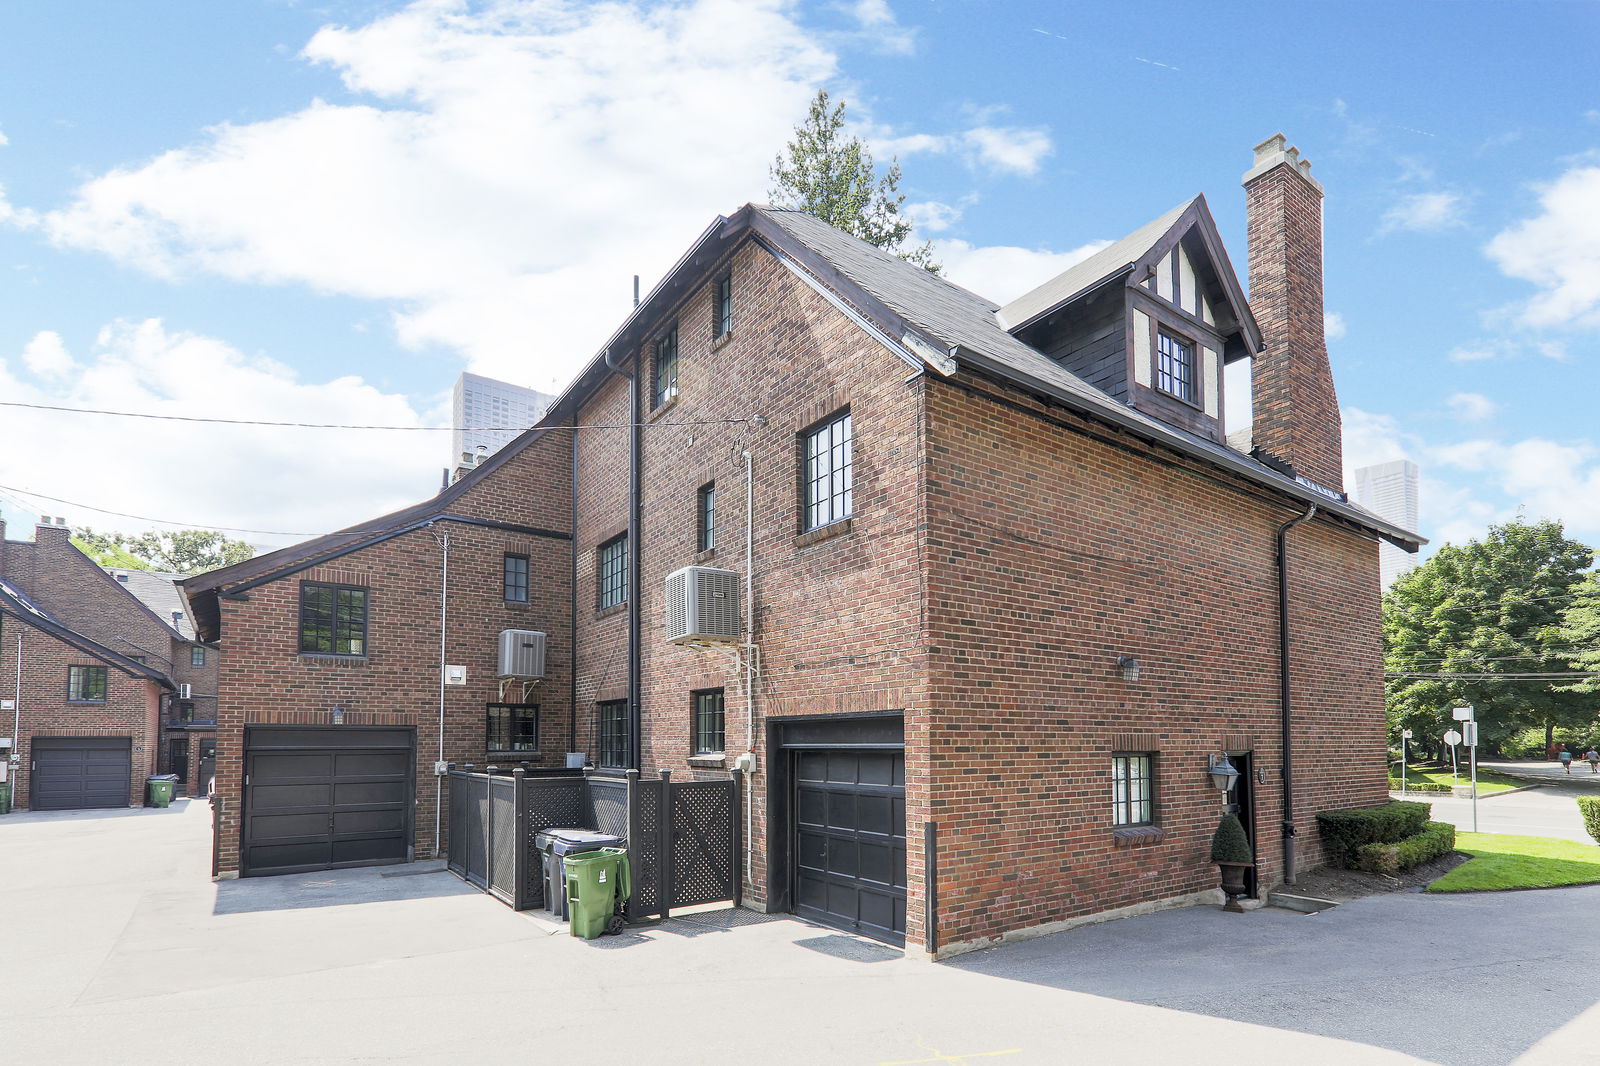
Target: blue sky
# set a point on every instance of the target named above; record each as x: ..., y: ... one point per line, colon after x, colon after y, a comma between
x: 324, y: 212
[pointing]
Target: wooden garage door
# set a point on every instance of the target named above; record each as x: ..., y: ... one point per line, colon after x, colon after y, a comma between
x: 80, y: 773
x: 326, y: 798
x: 850, y: 841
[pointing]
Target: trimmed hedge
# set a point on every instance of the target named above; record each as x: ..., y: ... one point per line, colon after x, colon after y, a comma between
x: 1436, y: 839
x: 1418, y: 786
x: 1590, y: 806
x: 1346, y: 832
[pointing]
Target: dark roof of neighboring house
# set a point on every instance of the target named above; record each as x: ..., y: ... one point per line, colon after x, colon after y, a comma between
x: 18, y: 606
x: 158, y: 592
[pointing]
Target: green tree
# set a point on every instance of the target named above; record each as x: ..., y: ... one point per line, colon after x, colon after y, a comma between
x: 826, y: 173
x: 1580, y: 631
x: 186, y: 551
x: 1457, y: 626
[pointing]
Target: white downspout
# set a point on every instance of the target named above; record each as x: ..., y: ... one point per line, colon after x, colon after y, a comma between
x: 16, y: 721
x: 443, y: 537
x: 749, y: 663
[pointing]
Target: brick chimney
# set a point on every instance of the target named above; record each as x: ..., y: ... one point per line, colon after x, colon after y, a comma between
x: 1296, y: 413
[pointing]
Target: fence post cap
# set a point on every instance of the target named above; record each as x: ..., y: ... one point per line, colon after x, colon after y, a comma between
x: 519, y: 771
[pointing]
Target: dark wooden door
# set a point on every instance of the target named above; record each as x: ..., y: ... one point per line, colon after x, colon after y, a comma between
x: 849, y: 841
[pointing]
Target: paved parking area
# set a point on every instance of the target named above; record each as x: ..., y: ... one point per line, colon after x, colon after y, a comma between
x: 117, y: 948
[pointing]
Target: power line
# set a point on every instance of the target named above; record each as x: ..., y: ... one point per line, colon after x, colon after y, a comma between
x: 173, y: 522
x: 1576, y: 675
x: 332, y: 425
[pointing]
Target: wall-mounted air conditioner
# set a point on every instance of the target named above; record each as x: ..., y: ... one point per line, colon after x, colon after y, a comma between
x: 702, y: 605
x: 521, y: 653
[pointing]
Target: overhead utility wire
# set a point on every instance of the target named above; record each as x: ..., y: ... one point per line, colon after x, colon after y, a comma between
x: 333, y: 425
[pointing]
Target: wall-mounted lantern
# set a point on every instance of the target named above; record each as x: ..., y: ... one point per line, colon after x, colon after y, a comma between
x: 1223, y: 773
x: 1129, y: 666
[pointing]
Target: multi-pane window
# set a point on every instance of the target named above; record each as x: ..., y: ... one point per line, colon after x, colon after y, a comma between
x: 613, y: 732
x: 612, y: 571
x: 1174, y: 366
x: 667, y: 367
x: 826, y: 479
x: 710, y: 722
x: 722, y: 307
x: 1132, y: 790
x: 333, y: 619
x: 86, y: 683
x: 705, y: 510
x: 197, y: 656
x: 516, y: 578
x: 512, y: 727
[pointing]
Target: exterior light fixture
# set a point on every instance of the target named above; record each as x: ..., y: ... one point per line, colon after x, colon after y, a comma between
x: 338, y: 715
x: 1129, y: 667
x: 1223, y: 773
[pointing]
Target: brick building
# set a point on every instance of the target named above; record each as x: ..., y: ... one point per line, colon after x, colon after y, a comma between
x: 89, y: 671
x: 1005, y: 591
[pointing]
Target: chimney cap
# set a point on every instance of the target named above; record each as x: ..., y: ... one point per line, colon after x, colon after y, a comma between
x: 1276, y: 151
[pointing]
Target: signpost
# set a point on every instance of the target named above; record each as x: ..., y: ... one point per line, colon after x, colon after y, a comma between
x: 1453, y: 738
x: 1405, y: 761
x: 1469, y: 725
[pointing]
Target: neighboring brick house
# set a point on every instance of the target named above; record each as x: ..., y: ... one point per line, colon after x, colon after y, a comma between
x: 1012, y: 592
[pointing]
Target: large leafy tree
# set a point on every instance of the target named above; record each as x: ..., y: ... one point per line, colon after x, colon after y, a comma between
x: 827, y: 173
x: 1581, y: 634
x: 186, y: 551
x: 1470, y: 625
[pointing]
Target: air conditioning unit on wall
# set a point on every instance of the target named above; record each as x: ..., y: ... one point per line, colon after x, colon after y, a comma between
x: 521, y: 653
x: 703, y: 605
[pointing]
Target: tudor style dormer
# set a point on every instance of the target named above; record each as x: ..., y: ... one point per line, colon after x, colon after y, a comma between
x: 1150, y: 319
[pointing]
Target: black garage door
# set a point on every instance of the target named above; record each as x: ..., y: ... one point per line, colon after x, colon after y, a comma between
x: 326, y: 798
x: 850, y: 841
x: 79, y: 773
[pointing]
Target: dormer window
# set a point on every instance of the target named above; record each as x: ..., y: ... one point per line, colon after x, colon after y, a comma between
x: 1175, y: 366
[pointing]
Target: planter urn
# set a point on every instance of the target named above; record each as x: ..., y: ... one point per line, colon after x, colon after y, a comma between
x: 1233, y: 884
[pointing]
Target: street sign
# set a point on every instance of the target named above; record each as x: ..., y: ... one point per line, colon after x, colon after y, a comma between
x: 1452, y: 738
x: 1471, y: 729
x: 1405, y: 734
x: 1462, y: 714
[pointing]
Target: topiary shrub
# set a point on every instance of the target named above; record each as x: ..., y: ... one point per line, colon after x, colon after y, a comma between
x: 1590, y: 806
x: 1230, y: 843
x: 1345, y: 832
x: 1436, y: 839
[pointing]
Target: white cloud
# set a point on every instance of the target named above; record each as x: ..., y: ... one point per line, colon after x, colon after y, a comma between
x: 46, y: 355
x: 1424, y: 212
x: 931, y: 216
x: 881, y: 28
x: 1558, y: 250
x: 1011, y: 149
x: 1477, y: 353
x: 4, y: 140
x: 1002, y: 273
x: 1472, y: 406
x: 504, y: 172
x: 255, y: 477
x: 1333, y: 325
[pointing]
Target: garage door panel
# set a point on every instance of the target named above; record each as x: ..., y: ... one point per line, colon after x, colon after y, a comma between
x: 81, y: 773
x: 849, y: 841
x: 341, y: 804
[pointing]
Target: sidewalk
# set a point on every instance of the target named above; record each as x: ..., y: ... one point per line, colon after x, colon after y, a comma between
x: 1545, y: 772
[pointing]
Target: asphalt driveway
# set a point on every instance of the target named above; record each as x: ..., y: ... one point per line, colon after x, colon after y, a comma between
x: 117, y: 948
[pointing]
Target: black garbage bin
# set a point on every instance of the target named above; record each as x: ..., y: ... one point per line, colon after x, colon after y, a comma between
x: 554, y: 846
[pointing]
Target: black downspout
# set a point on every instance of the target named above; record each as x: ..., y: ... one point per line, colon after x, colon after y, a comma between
x: 572, y: 703
x: 1283, y: 692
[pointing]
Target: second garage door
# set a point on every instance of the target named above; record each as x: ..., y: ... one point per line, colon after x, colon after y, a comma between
x: 850, y: 841
x: 326, y: 798
x: 80, y: 773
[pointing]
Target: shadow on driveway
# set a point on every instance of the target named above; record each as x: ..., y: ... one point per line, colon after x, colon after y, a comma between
x: 339, y: 888
x: 1462, y: 979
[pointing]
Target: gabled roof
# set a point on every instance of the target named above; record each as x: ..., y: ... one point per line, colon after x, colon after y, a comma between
x: 159, y: 594
x: 15, y: 604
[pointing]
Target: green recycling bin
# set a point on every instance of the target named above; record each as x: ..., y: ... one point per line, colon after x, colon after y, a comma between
x: 596, y: 882
x: 161, y: 790
x: 5, y: 798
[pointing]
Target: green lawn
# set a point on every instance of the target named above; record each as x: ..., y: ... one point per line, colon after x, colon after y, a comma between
x: 1500, y: 862
x: 1488, y: 780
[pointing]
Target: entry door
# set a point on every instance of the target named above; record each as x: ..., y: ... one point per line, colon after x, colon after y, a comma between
x: 208, y: 765
x: 178, y: 758
x: 1241, y: 801
x: 326, y: 798
x: 849, y: 839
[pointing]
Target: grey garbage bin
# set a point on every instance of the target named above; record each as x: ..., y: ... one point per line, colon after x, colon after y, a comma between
x: 554, y: 846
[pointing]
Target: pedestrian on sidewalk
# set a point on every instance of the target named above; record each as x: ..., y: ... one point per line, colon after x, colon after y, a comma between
x: 1592, y: 757
x: 1566, y: 759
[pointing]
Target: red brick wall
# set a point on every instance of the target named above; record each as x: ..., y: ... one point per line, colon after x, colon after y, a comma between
x: 1296, y: 413
x: 1051, y: 554
x: 838, y: 616
x: 130, y: 708
x: 265, y: 680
